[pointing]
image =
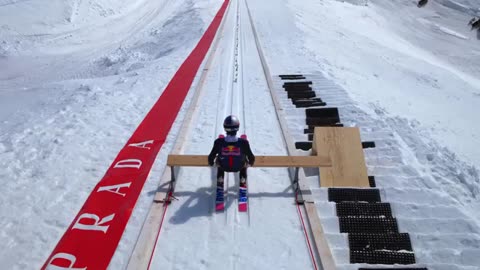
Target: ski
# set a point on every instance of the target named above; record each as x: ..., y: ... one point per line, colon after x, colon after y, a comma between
x: 220, y: 192
x: 242, y: 190
x: 220, y: 197
x: 242, y: 197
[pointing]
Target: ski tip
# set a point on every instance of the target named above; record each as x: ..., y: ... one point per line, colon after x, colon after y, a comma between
x: 242, y: 207
x: 221, y: 136
x: 243, y: 136
x: 219, y: 207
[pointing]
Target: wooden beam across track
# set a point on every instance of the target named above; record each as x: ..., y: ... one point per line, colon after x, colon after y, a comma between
x: 260, y: 161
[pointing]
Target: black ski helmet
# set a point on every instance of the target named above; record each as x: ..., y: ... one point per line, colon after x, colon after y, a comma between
x: 231, y: 124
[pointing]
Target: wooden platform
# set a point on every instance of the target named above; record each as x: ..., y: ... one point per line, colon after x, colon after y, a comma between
x: 344, y: 147
x: 260, y: 161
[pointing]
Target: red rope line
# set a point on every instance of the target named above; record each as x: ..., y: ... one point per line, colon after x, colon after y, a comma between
x: 312, y: 256
x: 167, y: 202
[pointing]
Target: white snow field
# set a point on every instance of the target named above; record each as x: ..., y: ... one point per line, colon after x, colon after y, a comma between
x: 76, y: 78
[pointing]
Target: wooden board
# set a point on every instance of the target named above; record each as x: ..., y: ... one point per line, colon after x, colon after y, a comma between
x: 344, y: 147
x: 260, y: 161
x: 320, y: 241
x: 140, y: 257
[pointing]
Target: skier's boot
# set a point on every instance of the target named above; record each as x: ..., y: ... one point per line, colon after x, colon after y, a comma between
x: 243, y: 182
x: 243, y: 188
x: 219, y: 196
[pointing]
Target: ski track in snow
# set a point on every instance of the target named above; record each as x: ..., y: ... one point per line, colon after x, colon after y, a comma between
x: 233, y: 240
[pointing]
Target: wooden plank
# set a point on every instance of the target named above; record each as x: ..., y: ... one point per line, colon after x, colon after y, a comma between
x: 344, y: 147
x: 260, y: 161
x: 321, y: 244
x: 140, y: 257
x: 292, y: 161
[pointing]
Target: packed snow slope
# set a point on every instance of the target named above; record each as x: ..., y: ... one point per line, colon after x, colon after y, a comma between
x: 76, y: 77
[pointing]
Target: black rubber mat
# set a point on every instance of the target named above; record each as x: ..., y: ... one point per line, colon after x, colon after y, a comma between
x: 310, y: 104
x: 301, y: 94
x: 368, y: 144
x: 368, y: 225
x: 292, y: 77
x: 296, y: 100
x: 371, y: 181
x: 353, y: 195
x: 292, y: 89
x: 379, y: 241
x: 286, y: 84
x: 322, y: 122
x: 322, y: 113
x: 348, y: 209
x: 305, y: 146
x: 381, y: 257
x: 322, y: 117
x: 308, y: 130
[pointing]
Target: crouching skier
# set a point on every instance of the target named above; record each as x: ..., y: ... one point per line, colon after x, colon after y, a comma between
x: 231, y: 154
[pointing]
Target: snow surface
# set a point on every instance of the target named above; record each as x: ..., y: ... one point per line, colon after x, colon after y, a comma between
x: 76, y: 77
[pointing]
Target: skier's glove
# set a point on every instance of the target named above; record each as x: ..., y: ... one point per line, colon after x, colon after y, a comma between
x: 211, y: 162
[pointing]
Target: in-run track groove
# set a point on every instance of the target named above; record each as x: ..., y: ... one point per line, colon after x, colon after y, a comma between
x: 194, y: 236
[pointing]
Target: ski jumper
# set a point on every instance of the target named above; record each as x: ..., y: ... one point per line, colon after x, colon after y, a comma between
x: 231, y: 154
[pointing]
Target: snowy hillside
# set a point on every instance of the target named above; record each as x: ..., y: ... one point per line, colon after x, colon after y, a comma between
x: 406, y: 62
x: 77, y: 77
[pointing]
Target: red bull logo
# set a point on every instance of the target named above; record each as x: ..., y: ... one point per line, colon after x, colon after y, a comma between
x: 230, y: 150
x: 231, y: 158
